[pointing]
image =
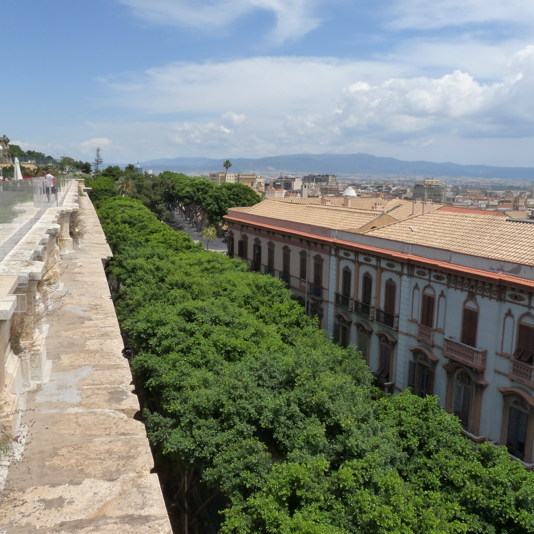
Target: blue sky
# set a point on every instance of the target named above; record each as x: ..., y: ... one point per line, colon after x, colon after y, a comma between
x: 441, y: 80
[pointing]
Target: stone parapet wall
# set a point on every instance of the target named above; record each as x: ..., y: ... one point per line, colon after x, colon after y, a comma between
x: 80, y: 461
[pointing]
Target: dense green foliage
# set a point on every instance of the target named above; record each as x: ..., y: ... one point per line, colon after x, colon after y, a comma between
x: 245, y: 395
x: 199, y: 199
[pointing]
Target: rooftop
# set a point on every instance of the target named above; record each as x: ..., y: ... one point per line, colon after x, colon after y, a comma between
x: 486, y: 234
x: 473, y: 232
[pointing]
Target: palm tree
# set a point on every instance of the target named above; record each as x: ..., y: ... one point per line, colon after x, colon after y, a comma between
x: 209, y: 233
x: 125, y: 186
x: 227, y: 164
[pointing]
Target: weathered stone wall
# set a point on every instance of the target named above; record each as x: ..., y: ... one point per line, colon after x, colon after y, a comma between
x: 81, y: 462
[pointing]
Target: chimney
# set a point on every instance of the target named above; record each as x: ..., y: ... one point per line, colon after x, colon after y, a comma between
x: 417, y: 207
x: 428, y: 206
x: 347, y: 202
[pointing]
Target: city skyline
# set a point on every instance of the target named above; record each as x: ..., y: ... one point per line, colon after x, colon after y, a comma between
x: 448, y: 81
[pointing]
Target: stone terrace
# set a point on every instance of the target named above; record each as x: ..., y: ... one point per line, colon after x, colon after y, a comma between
x: 84, y: 461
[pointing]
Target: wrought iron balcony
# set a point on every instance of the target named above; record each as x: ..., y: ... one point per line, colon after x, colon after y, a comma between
x: 362, y: 309
x: 425, y: 334
x: 522, y: 372
x: 343, y: 302
x: 285, y: 277
x: 255, y: 266
x: 475, y: 358
x: 385, y: 318
x: 315, y: 291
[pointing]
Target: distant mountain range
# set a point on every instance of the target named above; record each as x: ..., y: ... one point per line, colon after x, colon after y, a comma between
x: 352, y: 164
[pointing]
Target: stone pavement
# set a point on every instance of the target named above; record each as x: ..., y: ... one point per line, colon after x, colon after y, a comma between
x: 84, y: 462
x: 181, y: 224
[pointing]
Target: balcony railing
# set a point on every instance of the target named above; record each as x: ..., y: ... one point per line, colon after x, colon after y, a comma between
x: 343, y: 301
x: 475, y: 358
x: 285, y: 277
x: 385, y: 318
x: 315, y: 291
x: 362, y: 309
x: 425, y: 334
x: 255, y: 266
x: 523, y: 372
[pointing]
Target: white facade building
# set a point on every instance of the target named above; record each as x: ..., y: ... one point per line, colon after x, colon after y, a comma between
x: 436, y: 298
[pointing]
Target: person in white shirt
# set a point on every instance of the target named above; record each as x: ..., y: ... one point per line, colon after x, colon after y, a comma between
x: 48, y: 185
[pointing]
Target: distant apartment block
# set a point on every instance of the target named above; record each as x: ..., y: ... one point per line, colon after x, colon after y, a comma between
x: 219, y: 178
x: 436, y: 298
x: 429, y: 189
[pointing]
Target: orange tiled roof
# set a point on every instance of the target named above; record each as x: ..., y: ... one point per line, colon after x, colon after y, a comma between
x: 474, y: 232
x: 334, y: 217
x: 457, y: 209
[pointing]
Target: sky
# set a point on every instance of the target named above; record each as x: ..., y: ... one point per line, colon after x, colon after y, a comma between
x: 440, y: 80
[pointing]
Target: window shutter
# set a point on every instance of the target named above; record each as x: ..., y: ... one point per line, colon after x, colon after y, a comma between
x: 270, y: 257
x: 430, y: 382
x: 385, y: 360
x: 343, y: 337
x: 367, y: 290
x: 303, y: 262
x: 525, y: 343
x: 517, y: 432
x: 427, y: 312
x: 412, y: 370
x: 469, y: 327
x: 336, y: 333
x: 347, y: 276
x: 285, y: 262
x: 389, y: 298
x: 318, y: 273
x: 466, y: 406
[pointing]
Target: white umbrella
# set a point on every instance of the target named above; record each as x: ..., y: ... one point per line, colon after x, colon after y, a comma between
x: 18, y: 173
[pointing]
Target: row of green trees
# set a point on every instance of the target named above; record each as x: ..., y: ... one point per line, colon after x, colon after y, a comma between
x: 200, y: 200
x: 44, y: 162
x: 253, y: 412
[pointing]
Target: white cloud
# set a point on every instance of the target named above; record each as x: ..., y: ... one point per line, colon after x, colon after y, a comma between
x: 91, y: 144
x: 234, y: 118
x: 267, y: 86
x: 294, y: 18
x: 425, y: 15
x: 265, y: 106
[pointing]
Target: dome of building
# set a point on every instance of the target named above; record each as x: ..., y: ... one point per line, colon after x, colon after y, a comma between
x: 349, y: 192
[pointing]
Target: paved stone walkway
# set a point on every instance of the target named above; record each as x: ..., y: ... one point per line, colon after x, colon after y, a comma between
x: 85, y: 466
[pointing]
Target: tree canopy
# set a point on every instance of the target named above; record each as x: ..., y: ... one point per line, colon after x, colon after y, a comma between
x: 254, y: 412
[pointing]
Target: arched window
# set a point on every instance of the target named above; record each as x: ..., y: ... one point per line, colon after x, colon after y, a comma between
x: 427, y: 307
x: 256, y: 255
x: 517, y: 423
x: 470, y: 323
x: 342, y: 331
x: 516, y: 439
x: 346, y: 282
x: 363, y: 340
x: 525, y: 340
x: 242, y: 247
x: 269, y: 268
x: 463, y: 396
x: 318, y: 270
x: 303, y: 265
x: 286, y: 260
x: 390, y: 296
x: 385, y: 362
x: 367, y: 289
x: 421, y: 374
